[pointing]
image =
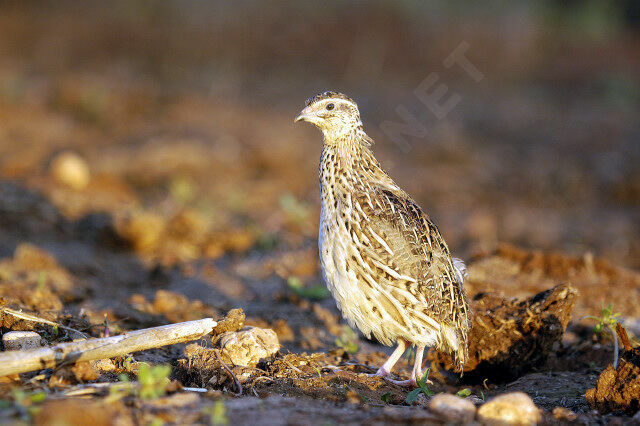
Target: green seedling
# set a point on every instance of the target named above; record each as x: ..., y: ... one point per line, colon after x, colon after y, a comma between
x: 295, y: 210
x: 386, y: 397
x: 217, y: 413
x: 348, y: 341
x: 183, y: 190
x: 152, y: 383
x: 316, y: 292
x: 27, y: 404
x: 42, y: 280
x: 422, y: 388
x: 463, y: 393
x: 607, y: 319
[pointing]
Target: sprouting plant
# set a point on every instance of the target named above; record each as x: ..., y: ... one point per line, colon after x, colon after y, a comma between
x: 42, y: 279
x: 422, y: 388
x: 607, y: 319
x: 463, y: 393
x: 386, y: 397
x: 294, y: 209
x: 26, y: 403
x: 217, y: 413
x: 482, y: 395
x: 318, y: 371
x: 153, y: 381
x: 348, y: 340
x: 316, y: 292
x: 151, y: 384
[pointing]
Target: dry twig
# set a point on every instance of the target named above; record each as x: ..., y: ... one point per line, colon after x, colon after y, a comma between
x: 13, y: 362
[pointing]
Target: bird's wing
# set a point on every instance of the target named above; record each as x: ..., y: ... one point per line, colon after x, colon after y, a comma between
x: 407, y: 250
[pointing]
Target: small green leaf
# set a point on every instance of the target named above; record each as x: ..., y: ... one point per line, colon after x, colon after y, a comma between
x: 463, y: 393
x: 386, y: 397
x: 38, y: 397
x: 422, y: 382
x: 413, y: 395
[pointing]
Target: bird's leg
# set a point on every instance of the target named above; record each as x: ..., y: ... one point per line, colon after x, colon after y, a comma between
x: 417, y: 371
x: 385, y: 370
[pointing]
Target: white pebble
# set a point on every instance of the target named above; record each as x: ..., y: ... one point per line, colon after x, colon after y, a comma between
x: 452, y: 409
x: 515, y: 408
x: 69, y: 169
x: 17, y: 340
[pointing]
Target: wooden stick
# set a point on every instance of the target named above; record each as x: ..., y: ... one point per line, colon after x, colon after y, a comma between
x: 12, y: 362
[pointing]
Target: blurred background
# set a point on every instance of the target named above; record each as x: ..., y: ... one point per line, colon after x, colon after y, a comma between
x: 172, y: 121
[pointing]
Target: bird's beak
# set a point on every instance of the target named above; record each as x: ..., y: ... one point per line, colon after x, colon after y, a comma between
x: 305, y: 115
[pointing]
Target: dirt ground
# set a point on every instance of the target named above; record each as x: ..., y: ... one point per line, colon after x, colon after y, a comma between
x: 191, y: 193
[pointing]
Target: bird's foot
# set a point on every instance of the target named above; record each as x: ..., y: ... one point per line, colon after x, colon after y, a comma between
x: 411, y: 383
x: 382, y: 372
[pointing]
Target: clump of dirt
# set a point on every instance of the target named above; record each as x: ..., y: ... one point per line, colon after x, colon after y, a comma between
x: 175, y: 307
x: 508, y: 337
x: 618, y: 389
x: 233, y: 321
x: 520, y: 272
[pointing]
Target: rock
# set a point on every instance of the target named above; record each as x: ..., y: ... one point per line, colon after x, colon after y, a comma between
x: 452, y: 409
x: 514, y: 408
x: 17, y: 340
x: 248, y: 346
x: 69, y: 169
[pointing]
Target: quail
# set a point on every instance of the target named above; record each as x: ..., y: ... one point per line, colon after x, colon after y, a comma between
x: 382, y: 258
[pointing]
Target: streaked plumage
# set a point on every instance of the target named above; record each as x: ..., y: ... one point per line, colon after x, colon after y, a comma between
x: 384, y: 261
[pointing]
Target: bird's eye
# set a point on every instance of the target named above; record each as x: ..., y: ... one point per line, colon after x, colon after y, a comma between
x: 330, y: 106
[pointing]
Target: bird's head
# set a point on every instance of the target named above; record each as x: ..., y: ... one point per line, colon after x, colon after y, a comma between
x: 332, y: 112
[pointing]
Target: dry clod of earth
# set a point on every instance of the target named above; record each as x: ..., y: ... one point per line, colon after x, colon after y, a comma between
x: 248, y: 346
x: 233, y: 321
x: 508, y: 337
x: 452, y: 409
x: 17, y: 340
x: 82, y: 412
x: 618, y: 390
x: 515, y: 408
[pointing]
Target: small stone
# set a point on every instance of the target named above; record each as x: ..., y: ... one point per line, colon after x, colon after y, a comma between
x: 452, y: 409
x: 514, y: 408
x: 249, y: 345
x: 69, y: 169
x: 17, y: 340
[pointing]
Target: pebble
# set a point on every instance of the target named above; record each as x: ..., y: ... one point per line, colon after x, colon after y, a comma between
x: 71, y: 170
x: 452, y: 409
x: 17, y: 340
x: 249, y: 345
x: 515, y: 408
